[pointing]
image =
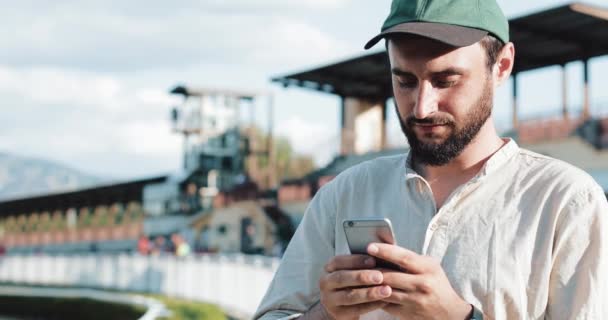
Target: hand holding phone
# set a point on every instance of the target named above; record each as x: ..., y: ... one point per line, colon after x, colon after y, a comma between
x: 361, y: 232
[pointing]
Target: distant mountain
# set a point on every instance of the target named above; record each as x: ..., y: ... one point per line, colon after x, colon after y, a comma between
x: 22, y: 177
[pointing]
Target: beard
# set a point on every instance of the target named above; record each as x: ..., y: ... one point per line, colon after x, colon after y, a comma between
x: 442, y: 152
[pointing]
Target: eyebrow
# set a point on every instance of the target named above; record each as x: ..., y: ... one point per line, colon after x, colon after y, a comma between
x: 443, y: 73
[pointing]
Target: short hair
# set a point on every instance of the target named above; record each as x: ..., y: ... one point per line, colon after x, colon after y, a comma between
x: 493, y: 46
x: 489, y: 43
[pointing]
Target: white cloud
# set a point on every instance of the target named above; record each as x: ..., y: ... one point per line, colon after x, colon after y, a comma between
x: 109, y: 38
x: 150, y: 138
x: 325, y: 3
x: 93, y: 92
x: 153, y: 97
x: 294, y: 41
x: 67, y: 115
x: 86, y: 81
x: 45, y: 85
x: 277, y: 4
x: 310, y: 138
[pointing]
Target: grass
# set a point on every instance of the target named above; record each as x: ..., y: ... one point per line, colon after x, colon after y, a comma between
x: 190, y: 310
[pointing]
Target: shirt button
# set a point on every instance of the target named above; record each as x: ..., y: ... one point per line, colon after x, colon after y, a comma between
x: 434, y: 227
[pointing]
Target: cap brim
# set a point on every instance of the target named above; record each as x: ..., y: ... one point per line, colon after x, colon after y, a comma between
x: 453, y: 35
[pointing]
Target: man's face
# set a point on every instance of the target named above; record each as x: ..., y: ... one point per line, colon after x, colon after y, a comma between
x: 443, y: 96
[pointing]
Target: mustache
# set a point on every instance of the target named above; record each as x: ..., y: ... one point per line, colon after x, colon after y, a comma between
x: 437, y: 121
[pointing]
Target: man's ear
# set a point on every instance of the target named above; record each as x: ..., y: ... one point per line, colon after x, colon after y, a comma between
x: 504, y: 64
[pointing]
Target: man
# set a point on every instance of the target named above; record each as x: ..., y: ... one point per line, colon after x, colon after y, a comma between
x: 484, y: 229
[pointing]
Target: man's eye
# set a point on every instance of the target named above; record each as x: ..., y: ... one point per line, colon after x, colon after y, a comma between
x: 406, y: 84
x: 444, y: 83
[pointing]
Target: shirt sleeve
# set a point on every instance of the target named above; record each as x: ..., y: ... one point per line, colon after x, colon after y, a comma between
x: 579, y: 278
x: 294, y: 288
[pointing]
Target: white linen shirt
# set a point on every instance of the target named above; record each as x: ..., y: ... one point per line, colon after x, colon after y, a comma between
x: 526, y: 238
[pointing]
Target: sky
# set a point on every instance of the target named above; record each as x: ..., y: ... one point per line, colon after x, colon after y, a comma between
x: 86, y: 83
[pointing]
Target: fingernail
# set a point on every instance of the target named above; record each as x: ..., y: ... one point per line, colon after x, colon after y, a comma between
x: 377, y: 278
x: 372, y: 248
x: 369, y: 262
x: 385, y: 291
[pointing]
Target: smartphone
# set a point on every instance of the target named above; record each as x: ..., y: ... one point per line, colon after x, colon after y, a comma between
x: 361, y: 232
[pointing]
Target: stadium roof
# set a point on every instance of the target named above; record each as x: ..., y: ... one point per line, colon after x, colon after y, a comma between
x: 99, y: 195
x: 193, y: 91
x: 555, y: 36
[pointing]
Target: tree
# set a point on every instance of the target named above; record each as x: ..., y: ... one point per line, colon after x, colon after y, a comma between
x: 287, y: 163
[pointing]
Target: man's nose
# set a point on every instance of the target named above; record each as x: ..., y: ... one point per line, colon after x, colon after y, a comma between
x: 426, y: 101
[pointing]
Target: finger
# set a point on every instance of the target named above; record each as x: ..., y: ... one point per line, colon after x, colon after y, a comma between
x: 356, y: 296
x: 399, y: 297
x: 360, y: 309
x: 350, y: 262
x: 403, y: 281
x: 408, y: 260
x: 350, y: 278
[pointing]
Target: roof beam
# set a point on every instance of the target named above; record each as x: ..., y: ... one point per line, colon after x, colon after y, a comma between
x: 329, y: 78
x: 582, y: 42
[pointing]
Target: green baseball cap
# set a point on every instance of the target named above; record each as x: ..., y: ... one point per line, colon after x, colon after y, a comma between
x: 458, y: 23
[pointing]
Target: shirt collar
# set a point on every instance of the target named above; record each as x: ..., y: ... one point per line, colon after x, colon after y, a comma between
x: 500, y: 157
x: 410, y: 173
x: 497, y: 160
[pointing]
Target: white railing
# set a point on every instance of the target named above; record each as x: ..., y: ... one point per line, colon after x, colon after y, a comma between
x: 236, y: 283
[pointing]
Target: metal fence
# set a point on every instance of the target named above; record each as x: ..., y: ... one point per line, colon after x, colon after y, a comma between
x: 236, y: 282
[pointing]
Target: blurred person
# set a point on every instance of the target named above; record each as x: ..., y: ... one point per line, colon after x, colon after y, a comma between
x: 159, y: 246
x: 248, y: 240
x: 182, y: 248
x: 143, y: 245
x: 204, y: 239
x: 192, y: 200
x: 484, y: 228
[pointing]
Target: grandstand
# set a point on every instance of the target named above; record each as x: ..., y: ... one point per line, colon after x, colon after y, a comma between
x: 108, y: 217
x: 554, y: 37
x: 111, y: 218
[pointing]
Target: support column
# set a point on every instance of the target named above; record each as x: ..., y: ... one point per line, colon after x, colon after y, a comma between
x: 346, y: 146
x: 564, y: 92
x: 272, y: 180
x: 362, y: 125
x: 515, y: 106
x: 586, y: 113
x: 383, y: 142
